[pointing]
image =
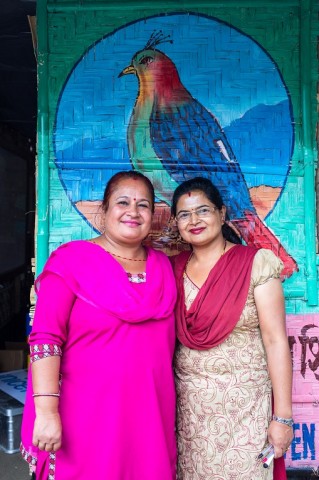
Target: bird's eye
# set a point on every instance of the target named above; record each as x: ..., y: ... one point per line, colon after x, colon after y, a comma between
x: 146, y: 60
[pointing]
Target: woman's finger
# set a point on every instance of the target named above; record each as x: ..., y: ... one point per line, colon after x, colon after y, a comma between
x: 56, y: 446
x: 41, y: 445
x: 49, y: 447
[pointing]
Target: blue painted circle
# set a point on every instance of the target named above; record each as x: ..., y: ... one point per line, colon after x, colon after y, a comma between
x: 224, y: 69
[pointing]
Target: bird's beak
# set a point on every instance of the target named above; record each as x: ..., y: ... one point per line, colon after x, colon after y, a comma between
x: 127, y: 70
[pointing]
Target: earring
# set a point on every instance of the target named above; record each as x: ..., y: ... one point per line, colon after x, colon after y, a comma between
x: 171, y: 230
x: 99, y: 222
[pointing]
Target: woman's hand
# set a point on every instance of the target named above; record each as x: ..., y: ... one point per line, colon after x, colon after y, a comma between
x: 280, y: 436
x: 47, y: 432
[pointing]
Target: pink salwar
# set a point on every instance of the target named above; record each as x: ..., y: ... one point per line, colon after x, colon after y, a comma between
x: 117, y: 402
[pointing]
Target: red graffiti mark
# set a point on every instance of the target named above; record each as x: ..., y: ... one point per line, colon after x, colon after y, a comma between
x: 309, y: 346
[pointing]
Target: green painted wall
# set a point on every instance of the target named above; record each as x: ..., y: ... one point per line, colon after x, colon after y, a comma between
x: 67, y: 29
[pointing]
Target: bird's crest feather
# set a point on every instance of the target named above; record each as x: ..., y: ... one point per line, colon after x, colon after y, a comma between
x: 157, y: 38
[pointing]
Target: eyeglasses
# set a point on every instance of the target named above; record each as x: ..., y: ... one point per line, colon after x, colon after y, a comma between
x: 200, y: 212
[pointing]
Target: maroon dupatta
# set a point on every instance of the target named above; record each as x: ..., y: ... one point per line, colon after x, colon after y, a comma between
x: 220, y: 301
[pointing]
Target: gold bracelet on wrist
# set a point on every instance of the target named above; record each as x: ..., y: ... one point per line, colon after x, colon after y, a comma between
x: 46, y: 395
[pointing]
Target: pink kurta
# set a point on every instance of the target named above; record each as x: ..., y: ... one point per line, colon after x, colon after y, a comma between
x: 117, y: 401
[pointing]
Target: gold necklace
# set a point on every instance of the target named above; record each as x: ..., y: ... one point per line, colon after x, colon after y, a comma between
x: 119, y: 256
x: 191, y: 256
x: 125, y: 258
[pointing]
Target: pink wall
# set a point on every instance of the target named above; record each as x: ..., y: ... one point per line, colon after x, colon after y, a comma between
x: 303, y: 332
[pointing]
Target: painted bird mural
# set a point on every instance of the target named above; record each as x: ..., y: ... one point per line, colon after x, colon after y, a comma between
x: 173, y: 137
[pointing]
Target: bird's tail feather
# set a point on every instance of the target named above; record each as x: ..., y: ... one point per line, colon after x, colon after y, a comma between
x: 255, y: 232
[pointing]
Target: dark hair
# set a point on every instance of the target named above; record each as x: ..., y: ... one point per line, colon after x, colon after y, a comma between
x: 213, y: 194
x: 124, y: 175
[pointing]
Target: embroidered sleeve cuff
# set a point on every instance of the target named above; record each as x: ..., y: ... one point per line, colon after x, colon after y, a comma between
x: 37, y: 352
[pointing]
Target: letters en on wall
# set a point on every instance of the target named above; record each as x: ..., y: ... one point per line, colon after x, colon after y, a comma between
x: 213, y: 92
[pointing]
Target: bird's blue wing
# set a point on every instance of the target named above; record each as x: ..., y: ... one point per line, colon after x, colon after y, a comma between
x: 189, y: 142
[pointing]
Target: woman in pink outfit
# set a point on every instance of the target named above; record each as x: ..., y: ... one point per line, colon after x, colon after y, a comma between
x: 101, y: 402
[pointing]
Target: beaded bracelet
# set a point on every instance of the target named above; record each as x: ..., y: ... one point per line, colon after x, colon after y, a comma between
x: 286, y: 421
x: 46, y: 395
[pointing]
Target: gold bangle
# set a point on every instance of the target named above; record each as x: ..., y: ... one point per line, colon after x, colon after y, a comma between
x: 46, y: 395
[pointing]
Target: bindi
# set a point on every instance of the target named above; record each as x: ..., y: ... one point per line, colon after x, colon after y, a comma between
x: 189, y: 194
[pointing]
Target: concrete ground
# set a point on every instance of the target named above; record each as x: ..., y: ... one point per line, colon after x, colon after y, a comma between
x: 13, y: 467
